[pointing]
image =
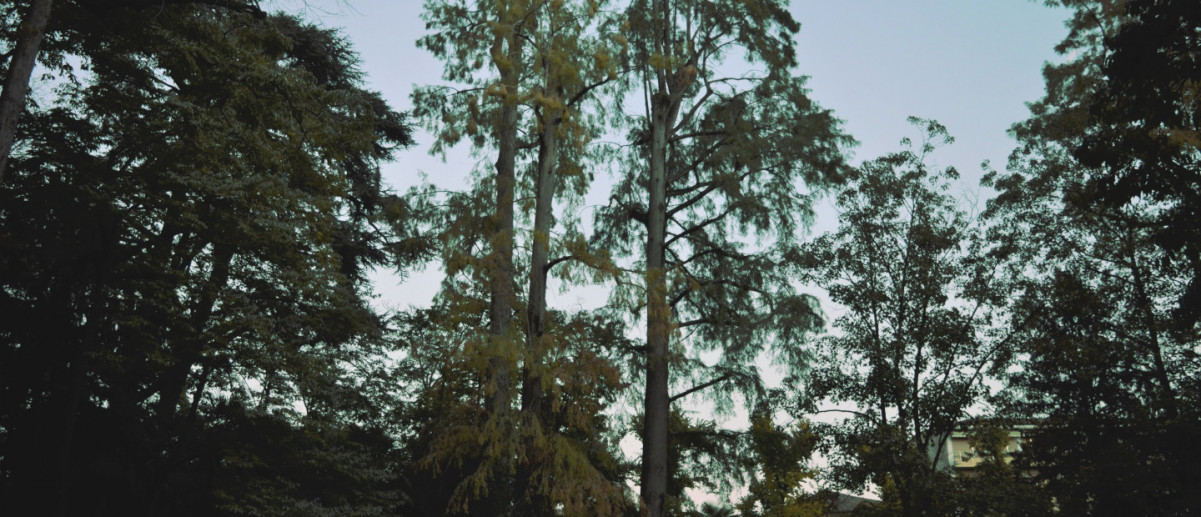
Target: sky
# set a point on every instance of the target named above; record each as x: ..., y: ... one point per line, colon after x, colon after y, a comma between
x: 970, y: 64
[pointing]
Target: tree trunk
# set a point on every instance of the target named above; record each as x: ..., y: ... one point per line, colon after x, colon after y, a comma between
x: 530, y: 503
x: 20, y: 68
x: 500, y: 314
x: 175, y: 379
x: 1166, y: 394
x: 657, y: 405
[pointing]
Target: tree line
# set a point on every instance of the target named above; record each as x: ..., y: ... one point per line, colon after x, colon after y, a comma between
x: 191, y: 203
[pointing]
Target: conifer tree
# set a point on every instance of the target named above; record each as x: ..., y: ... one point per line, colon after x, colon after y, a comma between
x: 185, y: 230
x: 558, y: 59
x: 470, y: 36
x: 714, y: 159
x: 573, y: 58
x: 27, y: 49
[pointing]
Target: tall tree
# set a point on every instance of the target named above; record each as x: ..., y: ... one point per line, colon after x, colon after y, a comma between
x: 1124, y: 107
x: 714, y: 158
x: 27, y: 48
x: 468, y: 35
x: 174, y: 238
x: 557, y: 61
x: 573, y: 58
x: 585, y: 475
x: 914, y: 348
x: 1100, y: 209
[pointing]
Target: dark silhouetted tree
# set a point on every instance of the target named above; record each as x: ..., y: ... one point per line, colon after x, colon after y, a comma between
x: 185, y: 233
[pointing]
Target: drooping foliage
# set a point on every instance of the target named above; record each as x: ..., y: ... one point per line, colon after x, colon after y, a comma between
x: 186, y: 223
x: 715, y: 184
x: 529, y: 83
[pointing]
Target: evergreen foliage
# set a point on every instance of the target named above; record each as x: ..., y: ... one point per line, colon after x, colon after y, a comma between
x: 191, y: 208
x: 185, y: 230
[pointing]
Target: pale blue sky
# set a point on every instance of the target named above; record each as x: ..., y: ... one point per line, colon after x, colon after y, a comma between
x: 970, y: 64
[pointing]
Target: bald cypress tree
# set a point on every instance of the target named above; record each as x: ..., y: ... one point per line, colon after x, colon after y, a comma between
x: 715, y: 187
x: 539, y: 111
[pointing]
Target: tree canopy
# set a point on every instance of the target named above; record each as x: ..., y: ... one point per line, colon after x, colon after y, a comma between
x: 192, y: 211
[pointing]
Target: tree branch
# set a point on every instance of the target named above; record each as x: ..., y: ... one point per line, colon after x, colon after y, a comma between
x: 554, y: 262
x: 695, y: 389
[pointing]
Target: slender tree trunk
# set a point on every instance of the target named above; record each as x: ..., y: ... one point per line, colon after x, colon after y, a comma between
x: 1167, y: 395
x: 655, y: 433
x: 500, y: 314
x: 501, y: 306
x: 670, y: 88
x: 530, y: 503
x: 20, y: 68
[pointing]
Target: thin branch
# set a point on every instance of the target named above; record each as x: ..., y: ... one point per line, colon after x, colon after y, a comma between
x: 851, y: 411
x: 700, y: 226
x: 552, y: 263
x: 695, y: 389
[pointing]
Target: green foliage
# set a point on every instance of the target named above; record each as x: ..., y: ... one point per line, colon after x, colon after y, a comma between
x: 446, y: 418
x: 1094, y: 217
x: 185, y: 230
x: 736, y: 159
x: 1141, y: 138
x: 996, y: 486
x: 526, y: 76
x: 915, y: 346
x: 781, y: 456
x: 701, y: 456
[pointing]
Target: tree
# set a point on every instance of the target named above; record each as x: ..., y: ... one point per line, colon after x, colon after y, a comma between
x: 582, y: 381
x: 713, y: 158
x: 184, y: 233
x: 1141, y: 136
x: 558, y: 57
x: 1096, y: 210
x: 20, y: 67
x: 28, y: 45
x: 781, y: 455
x: 467, y: 37
x: 1123, y: 108
x: 914, y: 347
x: 574, y: 58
